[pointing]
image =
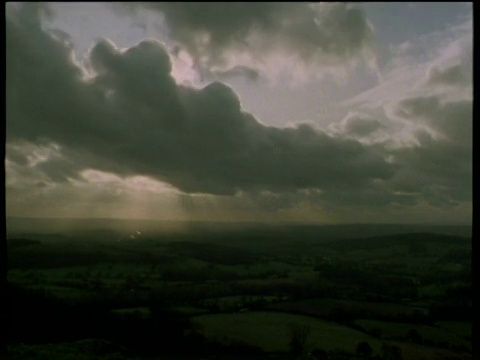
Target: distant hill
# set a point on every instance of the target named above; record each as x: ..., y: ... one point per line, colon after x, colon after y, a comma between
x: 399, y: 239
x: 17, y: 226
x: 18, y: 243
x: 214, y: 253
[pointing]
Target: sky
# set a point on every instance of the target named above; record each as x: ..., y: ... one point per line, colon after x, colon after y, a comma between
x: 323, y: 113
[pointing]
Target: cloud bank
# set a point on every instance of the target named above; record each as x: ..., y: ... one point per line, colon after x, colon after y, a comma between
x: 134, y: 117
x: 128, y: 116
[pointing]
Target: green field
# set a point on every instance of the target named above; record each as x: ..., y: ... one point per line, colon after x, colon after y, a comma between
x: 324, y: 307
x: 462, y: 329
x: 271, y: 331
x: 139, y: 312
x: 431, y: 334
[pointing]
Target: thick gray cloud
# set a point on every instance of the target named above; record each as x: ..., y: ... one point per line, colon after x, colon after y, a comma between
x: 132, y: 118
x: 357, y: 125
x: 321, y: 33
x: 452, y: 119
x: 439, y: 166
x: 453, y: 75
x: 238, y: 71
x: 438, y: 171
x: 428, y: 101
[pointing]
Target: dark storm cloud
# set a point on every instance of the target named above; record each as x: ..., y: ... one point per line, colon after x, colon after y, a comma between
x: 314, y: 32
x: 440, y: 165
x: 453, y: 119
x: 44, y: 160
x: 58, y: 169
x: 437, y: 170
x: 456, y: 68
x: 238, y: 71
x: 16, y: 156
x: 133, y: 118
x: 453, y: 75
x: 355, y: 124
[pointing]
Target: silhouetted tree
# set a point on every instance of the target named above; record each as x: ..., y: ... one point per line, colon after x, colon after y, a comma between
x: 391, y: 352
x: 376, y: 332
x: 319, y: 354
x: 298, y: 339
x: 414, y: 336
x: 339, y: 355
x: 364, y: 349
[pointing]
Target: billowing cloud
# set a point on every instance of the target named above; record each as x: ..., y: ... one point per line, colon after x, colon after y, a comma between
x: 449, y: 119
x: 357, y: 125
x: 427, y: 94
x: 222, y: 36
x: 243, y: 71
x: 450, y: 75
x: 126, y: 120
x: 132, y: 117
x: 440, y: 164
x: 439, y: 172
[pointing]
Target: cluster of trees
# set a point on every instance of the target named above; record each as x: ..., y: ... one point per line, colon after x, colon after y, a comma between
x: 389, y: 284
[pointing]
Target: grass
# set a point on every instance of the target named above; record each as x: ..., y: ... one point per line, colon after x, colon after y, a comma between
x: 235, y: 302
x: 399, y: 330
x: 79, y: 350
x: 140, y: 312
x: 323, y: 307
x: 420, y: 352
x: 271, y: 331
x: 189, y: 310
x: 463, y: 329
